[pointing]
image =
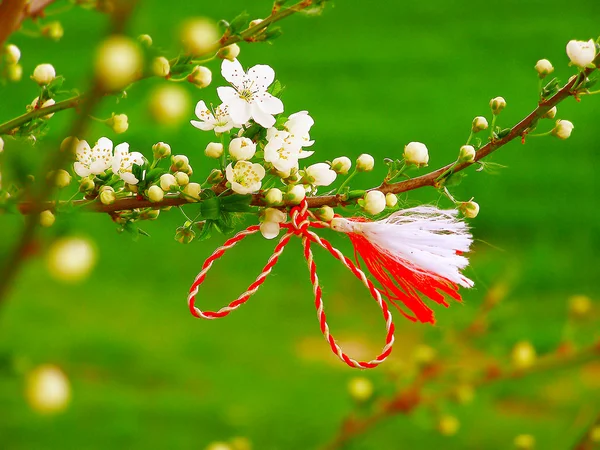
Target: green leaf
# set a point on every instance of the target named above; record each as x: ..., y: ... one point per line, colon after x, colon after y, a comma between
x: 239, y: 23
x: 455, y: 179
x: 276, y: 89
x: 210, y: 208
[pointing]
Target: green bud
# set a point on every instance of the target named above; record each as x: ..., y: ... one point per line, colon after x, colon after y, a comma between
x: 184, y: 235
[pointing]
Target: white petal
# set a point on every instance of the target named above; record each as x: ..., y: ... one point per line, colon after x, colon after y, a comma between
x: 261, y: 117
x: 224, y: 128
x: 137, y: 158
x: 268, y: 103
x: 122, y: 148
x: 104, y: 143
x: 262, y: 76
x: 81, y: 170
x: 229, y: 173
x: 239, y: 188
x: 128, y: 177
x: 304, y: 154
x: 227, y: 94
x: 204, y: 126
x: 233, y: 72
x: 270, y: 230
x: 98, y: 166
x: 259, y: 170
x: 239, y: 110
x: 203, y: 113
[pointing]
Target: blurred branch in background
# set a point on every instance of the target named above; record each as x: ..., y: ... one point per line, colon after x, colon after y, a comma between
x: 14, y: 12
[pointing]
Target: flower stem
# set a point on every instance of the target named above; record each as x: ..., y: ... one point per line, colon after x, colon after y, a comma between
x: 346, y: 181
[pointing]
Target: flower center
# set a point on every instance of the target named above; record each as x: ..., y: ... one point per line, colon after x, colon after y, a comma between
x: 246, y: 94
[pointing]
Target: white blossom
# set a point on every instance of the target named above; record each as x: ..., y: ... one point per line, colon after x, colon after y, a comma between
x: 416, y: 153
x: 563, y: 129
x: 93, y: 161
x: 220, y: 121
x: 320, y: 174
x: 248, y: 98
x: 245, y: 177
x: 242, y: 149
x: 341, y: 165
x: 298, y: 126
x: 365, y: 163
x: 374, y: 202
x: 123, y: 161
x: 581, y: 53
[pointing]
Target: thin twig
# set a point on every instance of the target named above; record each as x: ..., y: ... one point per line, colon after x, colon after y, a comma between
x: 14, y: 12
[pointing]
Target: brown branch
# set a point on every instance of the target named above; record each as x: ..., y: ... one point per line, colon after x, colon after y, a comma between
x: 407, y: 400
x: 14, y: 12
x: 587, y: 440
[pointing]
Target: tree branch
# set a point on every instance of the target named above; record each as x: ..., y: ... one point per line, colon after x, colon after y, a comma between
x: 14, y: 12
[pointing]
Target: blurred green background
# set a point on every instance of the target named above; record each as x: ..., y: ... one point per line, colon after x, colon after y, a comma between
x: 375, y: 76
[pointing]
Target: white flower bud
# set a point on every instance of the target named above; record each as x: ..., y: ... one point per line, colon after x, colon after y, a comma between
x: 374, y: 202
x: 274, y: 196
x: 200, y: 77
x: 360, y: 389
x: 391, y: 200
x: 551, y: 114
x: 118, y: 63
x: 416, y: 153
x: 342, y: 165
x: 523, y: 355
x: 325, y: 213
x: 242, y: 149
x: 168, y: 182
x: 230, y: 52
x: 448, y: 425
x: 12, y: 54
x: 214, y: 150
x: 71, y: 259
x: 107, y: 195
x: 320, y: 174
x: 180, y: 163
x: 296, y: 194
x: 215, y: 176
x: 544, y: 68
x: 270, y: 230
x: 563, y: 129
x: 497, y: 105
x: 182, y: 178
x: 161, y: 150
x: 119, y: 123
x: 467, y: 153
x: 274, y: 215
x: 169, y: 104
x: 47, y: 389
x: 145, y: 40
x: 161, y: 66
x: 469, y: 209
x: 86, y: 185
x: 61, y: 178
x: 192, y: 190
x: 365, y: 163
x: 581, y: 53
x: 155, y: 193
x: 44, y: 74
x: 47, y: 218
x: 480, y: 123
x: 14, y: 72
x: 199, y: 36
x: 35, y: 104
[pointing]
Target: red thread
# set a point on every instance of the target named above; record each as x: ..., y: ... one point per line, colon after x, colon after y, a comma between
x: 299, y: 226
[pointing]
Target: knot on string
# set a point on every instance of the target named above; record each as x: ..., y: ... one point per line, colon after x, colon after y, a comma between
x: 299, y: 225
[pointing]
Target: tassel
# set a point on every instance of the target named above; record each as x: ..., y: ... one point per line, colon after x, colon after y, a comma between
x: 413, y: 251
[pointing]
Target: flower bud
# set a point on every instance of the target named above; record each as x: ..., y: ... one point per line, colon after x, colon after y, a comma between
x: 273, y: 215
x: 119, y: 123
x: 180, y: 163
x: 199, y: 36
x: 215, y: 176
x: 416, y: 153
x: 544, y: 68
x: 47, y: 218
x: 192, y: 190
x: 581, y: 53
x: 480, y: 123
x: 145, y: 40
x: 467, y: 153
x: 118, y: 63
x: 448, y: 425
x: 524, y: 442
x: 523, y: 355
x: 200, y: 77
x: 35, y: 104
x: 365, y: 163
x: 161, y: 67
x: 274, y: 196
x: 270, y: 230
x: 107, y: 195
x: 14, y: 72
x: 342, y: 165
x: 580, y: 306
x: 69, y: 145
x: 71, y: 259
x: 169, y: 104
x: 360, y: 389
x: 168, y: 182
x: 1, y: 145
x: 12, y: 54
x: 182, y: 178
x: 155, y: 193
x: 161, y: 150
x: 47, y: 389
x: 214, y: 150
x: 242, y: 149
x: 53, y: 30
x: 469, y: 209
x: 325, y: 213
x: 44, y: 74
x: 230, y: 52
x: 563, y: 129
x: 61, y: 178
x: 497, y: 104
x: 374, y: 202
x: 255, y: 22
x: 150, y: 215
x: 86, y: 185
x: 184, y: 235
x: 391, y: 200
x: 295, y: 195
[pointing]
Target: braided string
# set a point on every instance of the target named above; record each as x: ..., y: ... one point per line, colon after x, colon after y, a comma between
x: 299, y: 225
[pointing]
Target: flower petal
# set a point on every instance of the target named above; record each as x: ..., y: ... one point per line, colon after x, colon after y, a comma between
x: 260, y: 117
x: 233, y: 72
x: 227, y: 94
x: 268, y: 103
x: 239, y: 110
x: 204, y: 126
x: 128, y: 177
x: 203, y: 113
x: 262, y: 76
x: 81, y: 170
